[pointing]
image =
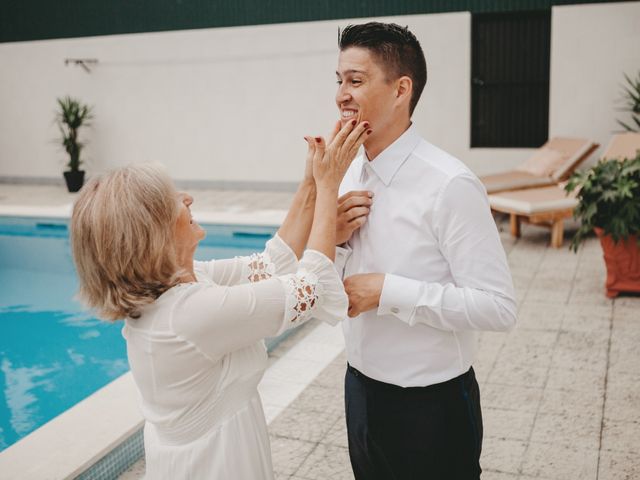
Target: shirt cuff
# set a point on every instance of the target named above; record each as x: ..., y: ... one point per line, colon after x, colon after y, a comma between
x: 399, y: 297
x: 342, y: 255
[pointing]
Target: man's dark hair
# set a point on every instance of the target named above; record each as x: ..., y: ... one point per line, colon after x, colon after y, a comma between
x: 395, y: 47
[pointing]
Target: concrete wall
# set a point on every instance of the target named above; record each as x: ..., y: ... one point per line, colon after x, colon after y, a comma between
x: 232, y: 104
x: 592, y: 46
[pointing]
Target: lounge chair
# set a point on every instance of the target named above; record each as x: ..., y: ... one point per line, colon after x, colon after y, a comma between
x: 623, y: 145
x: 551, y: 205
x: 553, y: 162
x: 547, y: 206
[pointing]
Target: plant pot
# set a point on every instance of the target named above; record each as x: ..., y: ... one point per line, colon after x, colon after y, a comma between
x: 622, y: 259
x: 74, y: 179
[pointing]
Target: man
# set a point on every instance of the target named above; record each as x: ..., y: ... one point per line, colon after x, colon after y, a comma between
x: 424, y: 270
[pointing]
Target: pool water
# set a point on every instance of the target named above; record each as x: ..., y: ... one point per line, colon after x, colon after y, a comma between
x: 53, y: 353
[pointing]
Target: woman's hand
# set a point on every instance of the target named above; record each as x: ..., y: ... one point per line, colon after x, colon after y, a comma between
x: 331, y: 162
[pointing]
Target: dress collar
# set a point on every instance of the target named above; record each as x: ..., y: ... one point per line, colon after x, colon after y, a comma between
x: 387, y: 163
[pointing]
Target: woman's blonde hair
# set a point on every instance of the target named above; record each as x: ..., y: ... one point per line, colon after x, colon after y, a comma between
x: 122, y: 239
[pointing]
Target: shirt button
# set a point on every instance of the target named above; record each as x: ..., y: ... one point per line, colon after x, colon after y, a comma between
x: 395, y: 310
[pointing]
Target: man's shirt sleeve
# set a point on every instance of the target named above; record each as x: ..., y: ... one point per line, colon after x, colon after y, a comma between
x: 481, y: 296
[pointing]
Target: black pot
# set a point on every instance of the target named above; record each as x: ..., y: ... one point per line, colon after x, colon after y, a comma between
x: 74, y: 179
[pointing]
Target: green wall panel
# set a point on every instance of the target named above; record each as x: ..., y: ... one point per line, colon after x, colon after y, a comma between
x: 22, y: 20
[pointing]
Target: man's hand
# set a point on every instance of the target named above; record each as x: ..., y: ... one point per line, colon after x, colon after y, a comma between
x: 364, y: 292
x: 353, y: 208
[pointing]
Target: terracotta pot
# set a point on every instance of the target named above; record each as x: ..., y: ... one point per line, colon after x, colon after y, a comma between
x: 623, y: 264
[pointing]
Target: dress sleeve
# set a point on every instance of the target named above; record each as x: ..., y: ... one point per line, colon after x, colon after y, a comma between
x: 276, y: 259
x: 219, y: 319
x: 481, y: 296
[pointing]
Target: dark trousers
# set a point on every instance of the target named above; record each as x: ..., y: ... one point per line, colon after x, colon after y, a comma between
x: 426, y: 433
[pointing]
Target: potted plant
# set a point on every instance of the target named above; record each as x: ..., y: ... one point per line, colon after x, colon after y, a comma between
x: 72, y: 115
x: 609, y: 203
x: 631, y: 94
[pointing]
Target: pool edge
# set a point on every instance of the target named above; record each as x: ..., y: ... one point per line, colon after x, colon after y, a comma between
x: 81, y: 435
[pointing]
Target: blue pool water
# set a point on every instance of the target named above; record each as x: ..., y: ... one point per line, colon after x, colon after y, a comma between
x: 52, y: 353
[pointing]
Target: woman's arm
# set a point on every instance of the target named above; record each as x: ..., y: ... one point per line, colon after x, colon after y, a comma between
x: 330, y: 163
x: 297, y: 224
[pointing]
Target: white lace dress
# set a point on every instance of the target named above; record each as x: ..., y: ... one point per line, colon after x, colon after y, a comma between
x: 197, y: 355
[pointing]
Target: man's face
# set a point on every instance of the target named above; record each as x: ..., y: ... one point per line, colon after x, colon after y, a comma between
x: 363, y: 90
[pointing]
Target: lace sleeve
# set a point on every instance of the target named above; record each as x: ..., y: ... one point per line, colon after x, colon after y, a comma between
x: 259, y: 267
x: 302, y: 296
x: 277, y: 259
x: 315, y: 290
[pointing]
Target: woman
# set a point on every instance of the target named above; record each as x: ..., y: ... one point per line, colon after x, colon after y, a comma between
x: 194, y: 330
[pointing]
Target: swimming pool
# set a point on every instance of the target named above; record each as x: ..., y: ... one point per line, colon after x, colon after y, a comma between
x: 52, y: 353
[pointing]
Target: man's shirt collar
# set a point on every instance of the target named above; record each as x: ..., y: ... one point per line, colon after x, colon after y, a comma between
x: 387, y: 163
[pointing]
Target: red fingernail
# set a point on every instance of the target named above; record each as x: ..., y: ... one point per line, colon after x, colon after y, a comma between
x: 353, y: 122
x: 366, y: 124
x: 318, y: 139
x: 369, y: 132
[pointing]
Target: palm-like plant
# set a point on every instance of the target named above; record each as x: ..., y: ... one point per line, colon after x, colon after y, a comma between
x: 71, y: 116
x: 632, y: 99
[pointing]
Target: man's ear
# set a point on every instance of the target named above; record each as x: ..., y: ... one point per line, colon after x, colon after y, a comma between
x: 404, y: 88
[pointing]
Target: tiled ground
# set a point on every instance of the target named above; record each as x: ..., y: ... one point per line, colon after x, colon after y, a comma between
x: 560, y: 393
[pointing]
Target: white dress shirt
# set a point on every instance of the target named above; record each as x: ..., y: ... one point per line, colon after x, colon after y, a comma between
x: 431, y: 232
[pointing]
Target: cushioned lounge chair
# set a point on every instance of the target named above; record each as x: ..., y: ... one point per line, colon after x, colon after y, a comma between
x: 548, y: 206
x: 623, y: 145
x: 551, y: 205
x: 554, y: 162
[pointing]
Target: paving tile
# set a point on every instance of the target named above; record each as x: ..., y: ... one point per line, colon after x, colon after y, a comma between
x: 584, y: 341
x: 326, y: 462
x: 507, y: 424
x: 541, y: 339
x: 288, y: 454
x: 493, y: 475
x: 310, y: 426
x: 482, y: 369
x: 597, y: 299
x: 623, y: 397
x: 341, y: 359
x: 577, y: 380
x: 510, y: 397
x: 624, y: 356
x: 560, y: 462
x: 626, y: 327
x: 547, y: 295
x: 630, y: 302
x: 337, y: 435
x: 321, y: 399
x: 332, y: 376
x: 502, y: 455
x: 527, y: 355
x: 621, y: 436
x: 518, y: 374
x: 577, y: 359
x: 570, y: 430
x: 567, y: 402
x: 618, y: 466
x: 589, y: 311
x: 585, y: 322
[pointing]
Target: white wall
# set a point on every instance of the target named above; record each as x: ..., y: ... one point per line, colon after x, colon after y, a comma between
x: 232, y: 104
x: 592, y: 46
